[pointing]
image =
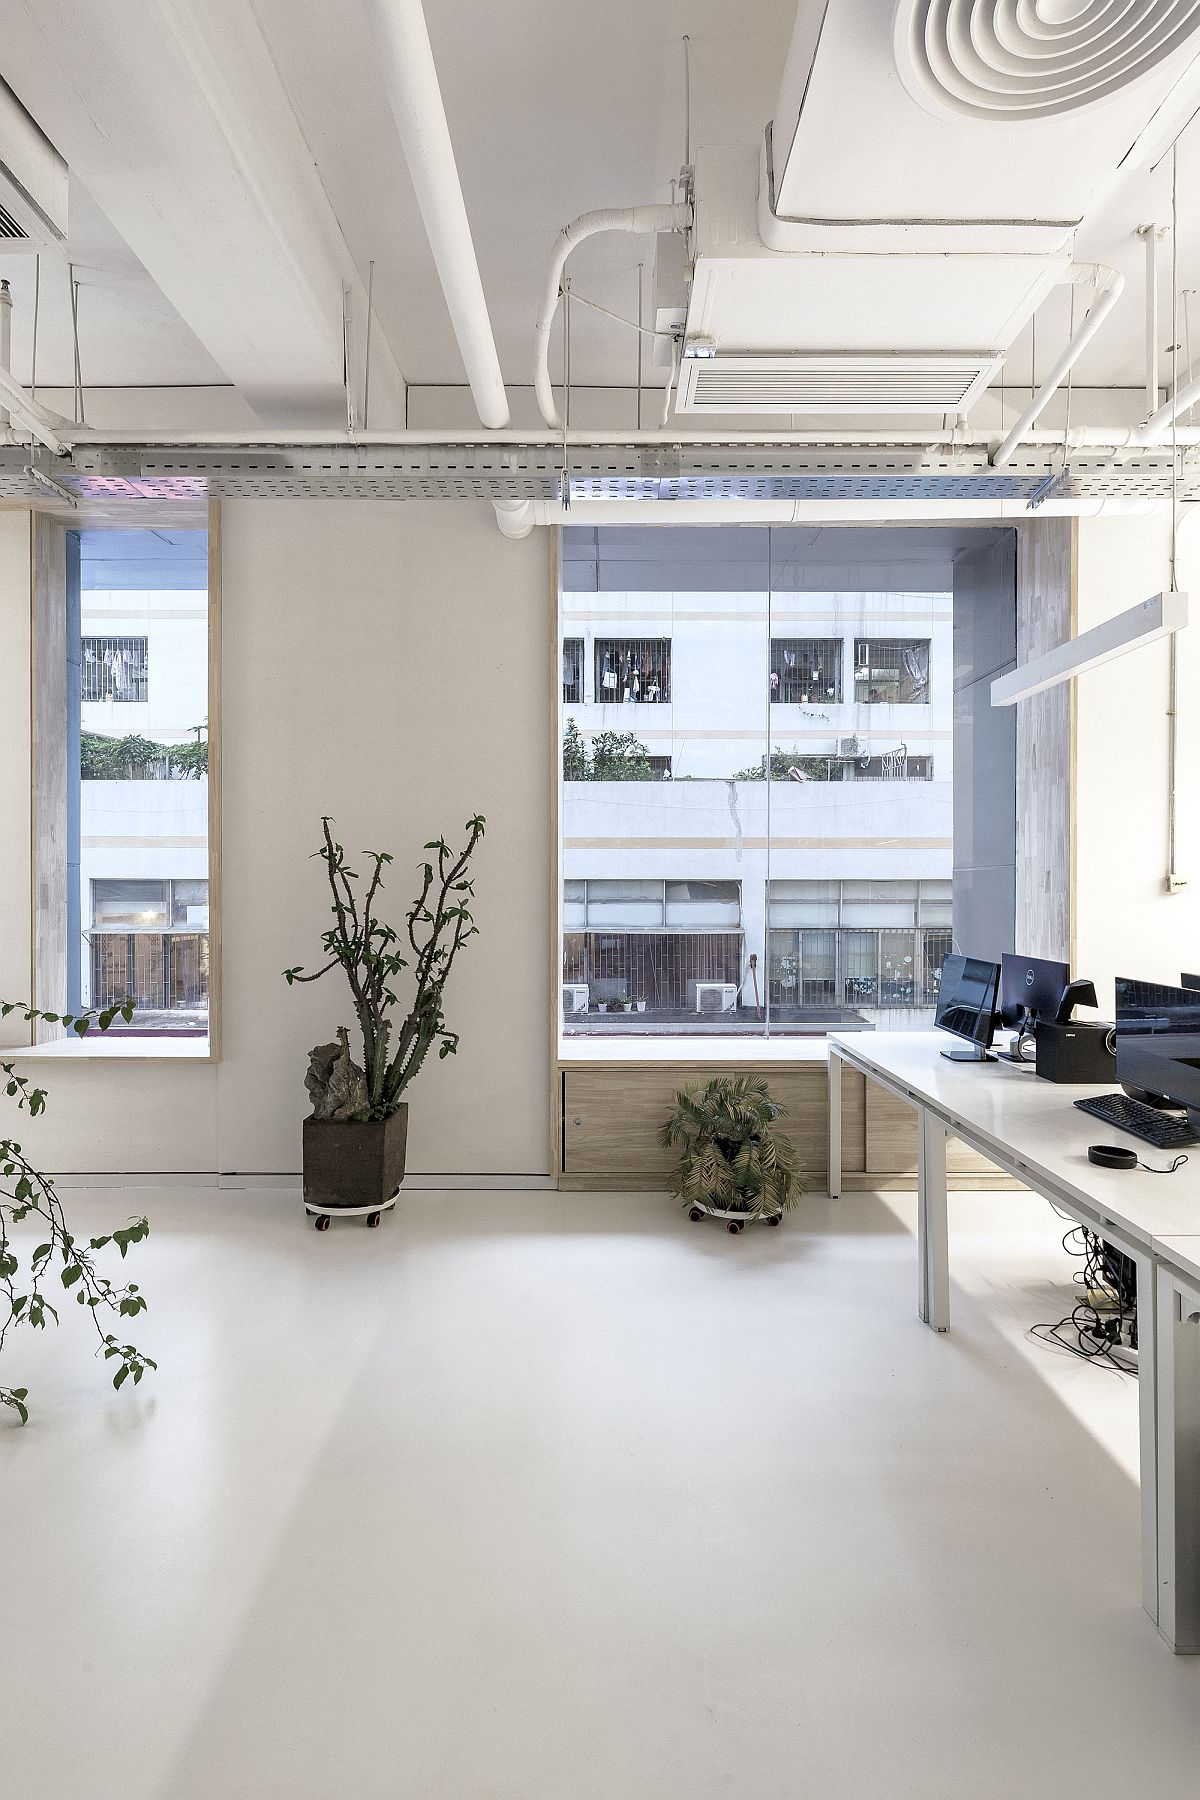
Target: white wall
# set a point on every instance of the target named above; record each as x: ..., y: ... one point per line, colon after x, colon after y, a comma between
x: 389, y: 664
x: 1126, y: 922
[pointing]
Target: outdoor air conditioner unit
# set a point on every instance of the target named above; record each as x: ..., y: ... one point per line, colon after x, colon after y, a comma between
x: 33, y: 181
x: 575, y: 998
x: 712, y: 996
x: 849, y: 746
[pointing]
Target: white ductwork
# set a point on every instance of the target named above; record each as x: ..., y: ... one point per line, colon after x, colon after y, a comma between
x: 1108, y: 285
x: 5, y: 341
x: 420, y: 115
x: 997, y: 130
x: 627, y: 218
x: 28, y: 414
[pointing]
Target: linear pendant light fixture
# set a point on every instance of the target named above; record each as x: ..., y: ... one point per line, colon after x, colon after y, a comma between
x: 1156, y: 618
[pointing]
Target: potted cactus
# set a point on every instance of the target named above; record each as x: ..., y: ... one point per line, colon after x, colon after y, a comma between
x: 733, y: 1164
x: 356, y: 1136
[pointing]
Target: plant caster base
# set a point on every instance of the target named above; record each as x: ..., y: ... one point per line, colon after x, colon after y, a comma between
x: 735, y: 1222
x: 322, y: 1217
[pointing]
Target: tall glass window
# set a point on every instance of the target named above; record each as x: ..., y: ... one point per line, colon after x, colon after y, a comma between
x: 138, y: 900
x: 757, y: 761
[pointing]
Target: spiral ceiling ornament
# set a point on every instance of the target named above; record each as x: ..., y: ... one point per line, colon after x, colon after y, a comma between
x: 1032, y: 59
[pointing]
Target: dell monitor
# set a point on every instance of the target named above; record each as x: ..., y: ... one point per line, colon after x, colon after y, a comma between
x: 966, y: 1005
x: 1031, y: 988
x: 1158, y: 1043
x: 1189, y: 981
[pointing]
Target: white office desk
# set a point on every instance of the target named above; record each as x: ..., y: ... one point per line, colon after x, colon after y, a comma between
x: 1030, y: 1129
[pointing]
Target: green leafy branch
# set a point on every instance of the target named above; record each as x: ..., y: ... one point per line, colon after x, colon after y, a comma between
x: 26, y: 1193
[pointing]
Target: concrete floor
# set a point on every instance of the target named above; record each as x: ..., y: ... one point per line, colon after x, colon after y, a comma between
x: 563, y: 1498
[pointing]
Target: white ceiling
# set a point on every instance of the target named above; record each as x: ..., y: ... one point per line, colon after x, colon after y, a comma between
x: 553, y: 107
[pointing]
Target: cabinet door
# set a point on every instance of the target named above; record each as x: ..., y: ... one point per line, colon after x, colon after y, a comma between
x: 612, y: 1117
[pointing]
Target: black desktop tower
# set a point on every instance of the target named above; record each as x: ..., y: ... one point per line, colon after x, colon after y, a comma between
x: 1075, y: 1052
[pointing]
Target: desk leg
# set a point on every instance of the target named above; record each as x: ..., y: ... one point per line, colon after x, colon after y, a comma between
x: 1148, y: 1402
x: 835, y: 1125
x: 933, y: 1232
x: 1178, y: 1384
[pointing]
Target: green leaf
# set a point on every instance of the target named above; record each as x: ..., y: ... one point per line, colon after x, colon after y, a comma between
x: 71, y: 1274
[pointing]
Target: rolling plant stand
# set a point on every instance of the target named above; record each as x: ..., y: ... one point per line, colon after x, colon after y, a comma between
x: 323, y: 1216
x: 735, y: 1221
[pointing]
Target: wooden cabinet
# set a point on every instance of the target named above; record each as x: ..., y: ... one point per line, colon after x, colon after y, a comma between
x: 612, y: 1114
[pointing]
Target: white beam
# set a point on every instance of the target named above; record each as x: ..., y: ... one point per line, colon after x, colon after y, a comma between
x: 173, y: 115
x: 1155, y: 618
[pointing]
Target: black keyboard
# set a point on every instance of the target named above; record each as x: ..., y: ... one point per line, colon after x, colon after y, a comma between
x: 1163, y: 1130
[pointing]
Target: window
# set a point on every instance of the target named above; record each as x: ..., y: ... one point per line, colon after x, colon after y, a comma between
x: 632, y: 670
x: 806, y: 671
x: 648, y: 946
x: 882, y: 955
x: 149, y: 944
x: 743, y: 862
x: 133, y: 885
x: 894, y: 671
x: 572, y: 672
x: 115, y: 668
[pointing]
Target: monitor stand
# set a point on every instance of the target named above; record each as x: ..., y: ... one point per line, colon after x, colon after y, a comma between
x: 973, y: 1055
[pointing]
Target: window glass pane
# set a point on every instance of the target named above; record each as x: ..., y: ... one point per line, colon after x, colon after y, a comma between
x: 805, y: 671
x: 879, y: 903
x: 189, y: 904
x: 766, y: 841
x: 572, y: 671
x: 115, y: 669
x: 936, y: 903
x: 138, y: 669
x: 632, y: 671
x: 624, y: 902
x: 804, y: 902
x: 130, y: 903
x: 893, y: 671
x: 699, y: 903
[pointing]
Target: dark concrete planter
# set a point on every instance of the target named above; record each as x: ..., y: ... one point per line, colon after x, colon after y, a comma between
x: 347, y: 1163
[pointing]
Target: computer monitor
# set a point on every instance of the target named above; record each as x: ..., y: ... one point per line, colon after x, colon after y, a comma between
x: 1189, y: 981
x: 1158, y: 1042
x: 966, y: 1005
x: 1029, y: 985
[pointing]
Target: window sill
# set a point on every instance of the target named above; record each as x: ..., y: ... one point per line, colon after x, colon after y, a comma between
x: 95, y: 1047
x: 735, y: 1048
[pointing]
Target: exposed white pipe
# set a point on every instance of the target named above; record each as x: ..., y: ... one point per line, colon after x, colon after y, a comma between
x: 624, y: 218
x: 49, y: 428
x: 520, y: 517
x: 1158, y: 425
x: 1150, y: 235
x: 1108, y: 284
x: 416, y: 100
x: 5, y: 341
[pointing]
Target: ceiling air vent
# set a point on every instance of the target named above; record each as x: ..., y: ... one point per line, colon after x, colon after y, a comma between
x: 33, y: 181
x: 1004, y: 59
x: 799, y: 382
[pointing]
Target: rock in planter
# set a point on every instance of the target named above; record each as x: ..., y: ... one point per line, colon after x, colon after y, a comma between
x: 352, y: 1162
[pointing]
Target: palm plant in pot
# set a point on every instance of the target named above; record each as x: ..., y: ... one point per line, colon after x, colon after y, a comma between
x: 355, y: 1138
x: 733, y: 1164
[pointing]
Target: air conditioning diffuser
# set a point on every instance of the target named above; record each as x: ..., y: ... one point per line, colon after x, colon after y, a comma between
x: 806, y: 382
x: 33, y: 181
